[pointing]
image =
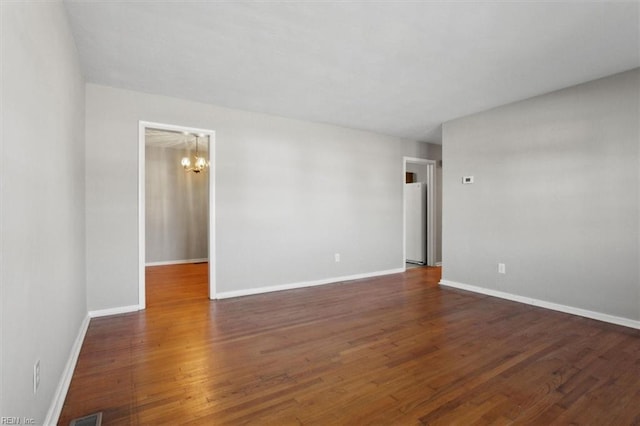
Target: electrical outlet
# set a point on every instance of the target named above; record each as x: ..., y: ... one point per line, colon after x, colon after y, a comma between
x: 502, y: 269
x: 36, y: 376
x: 336, y: 257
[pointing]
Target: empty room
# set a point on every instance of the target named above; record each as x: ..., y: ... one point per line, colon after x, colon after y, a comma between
x: 319, y: 213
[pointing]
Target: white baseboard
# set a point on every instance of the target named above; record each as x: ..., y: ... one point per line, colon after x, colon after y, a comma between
x: 65, y: 380
x: 114, y: 311
x: 438, y: 263
x: 176, y: 262
x: 302, y: 284
x: 544, y: 304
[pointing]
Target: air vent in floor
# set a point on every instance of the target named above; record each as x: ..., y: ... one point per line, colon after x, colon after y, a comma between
x: 94, y: 419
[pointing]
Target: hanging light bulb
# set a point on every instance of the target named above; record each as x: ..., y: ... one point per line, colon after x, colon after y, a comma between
x: 199, y: 165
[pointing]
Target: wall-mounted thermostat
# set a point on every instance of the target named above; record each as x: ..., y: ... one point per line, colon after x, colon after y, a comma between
x: 467, y: 179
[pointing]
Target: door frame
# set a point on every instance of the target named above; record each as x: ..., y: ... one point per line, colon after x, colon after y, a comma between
x: 142, y: 126
x: 431, y: 209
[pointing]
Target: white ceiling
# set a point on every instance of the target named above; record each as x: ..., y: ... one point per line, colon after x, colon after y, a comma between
x: 398, y: 68
x: 175, y: 140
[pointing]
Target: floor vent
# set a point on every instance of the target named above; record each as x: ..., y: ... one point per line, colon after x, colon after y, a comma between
x: 94, y: 419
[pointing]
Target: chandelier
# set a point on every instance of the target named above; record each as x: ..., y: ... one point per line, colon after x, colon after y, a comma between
x: 199, y: 163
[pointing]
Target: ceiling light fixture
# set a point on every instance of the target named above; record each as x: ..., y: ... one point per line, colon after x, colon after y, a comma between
x: 199, y: 164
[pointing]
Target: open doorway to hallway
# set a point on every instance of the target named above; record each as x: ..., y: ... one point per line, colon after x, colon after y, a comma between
x: 177, y: 245
x: 419, y: 207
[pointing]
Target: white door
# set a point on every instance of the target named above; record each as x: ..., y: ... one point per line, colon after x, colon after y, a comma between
x: 415, y: 217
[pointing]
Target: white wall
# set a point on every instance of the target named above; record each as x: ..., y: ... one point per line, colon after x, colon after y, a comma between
x: 420, y: 170
x: 555, y: 197
x: 289, y: 194
x: 176, y: 207
x: 42, y: 268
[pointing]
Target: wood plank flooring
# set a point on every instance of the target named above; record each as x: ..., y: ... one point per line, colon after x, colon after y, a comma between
x: 392, y: 350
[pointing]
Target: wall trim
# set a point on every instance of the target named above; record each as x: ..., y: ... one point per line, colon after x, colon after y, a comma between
x: 176, y: 262
x: 302, y: 284
x: 626, y: 322
x: 115, y: 311
x: 438, y: 263
x: 65, y: 379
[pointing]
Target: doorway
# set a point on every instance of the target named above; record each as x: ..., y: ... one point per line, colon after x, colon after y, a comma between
x: 419, y: 171
x: 176, y: 209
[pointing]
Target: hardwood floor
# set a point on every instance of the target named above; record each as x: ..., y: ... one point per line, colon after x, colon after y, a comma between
x: 390, y: 350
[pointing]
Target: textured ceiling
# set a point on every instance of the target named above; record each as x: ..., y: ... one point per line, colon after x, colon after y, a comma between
x: 174, y: 140
x: 398, y: 68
